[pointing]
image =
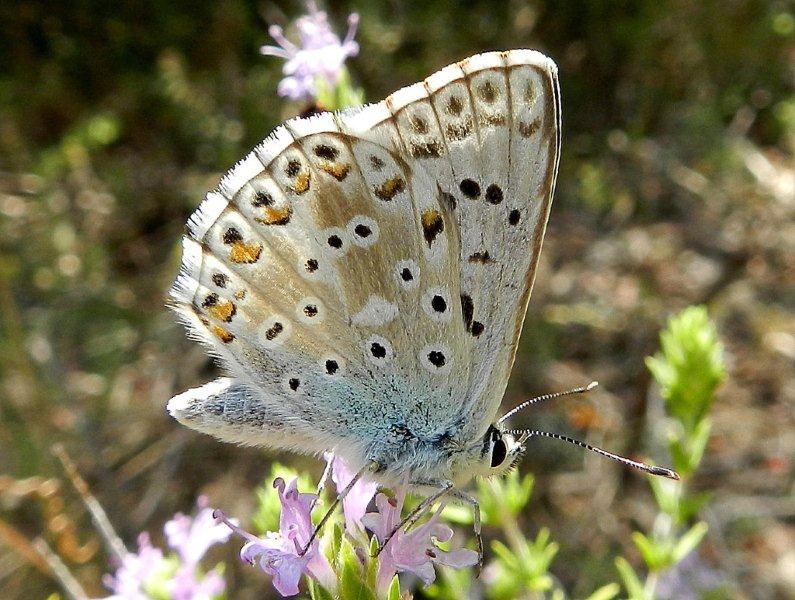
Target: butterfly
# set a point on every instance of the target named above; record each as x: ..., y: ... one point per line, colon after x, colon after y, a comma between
x: 363, y: 277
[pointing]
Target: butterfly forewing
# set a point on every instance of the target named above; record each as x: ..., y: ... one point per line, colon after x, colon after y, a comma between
x: 365, y: 274
x: 497, y: 116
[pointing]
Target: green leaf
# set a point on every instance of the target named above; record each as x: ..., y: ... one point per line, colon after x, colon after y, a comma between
x: 654, y: 556
x: 679, y: 456
x: 526, y: 563
x: 374, y: 545
x: 667, y: 493
x: 689, y: 507
x: 497, y: 495
x: 606, y: 592
x: 507, y: 575
x: 371, y: 563
x: 318, y: 592
x: 630, y: 580
x: 352, y: 582
x: 394, y: 589
x: 332, y: 548
x: 698, y: 442
x: 504, y: 553
x: 689, y: 541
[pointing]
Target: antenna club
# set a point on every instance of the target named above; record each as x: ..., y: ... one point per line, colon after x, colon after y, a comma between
x: 591, y: 386
x: 663, y: 472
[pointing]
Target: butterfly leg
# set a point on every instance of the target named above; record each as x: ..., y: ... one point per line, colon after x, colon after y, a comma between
x: 444, y: 487
x: 371, y: 467
x: 321, y: 485
x: 465, y: 498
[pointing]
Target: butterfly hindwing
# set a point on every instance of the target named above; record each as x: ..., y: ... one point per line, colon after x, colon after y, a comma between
x: 315, y: 282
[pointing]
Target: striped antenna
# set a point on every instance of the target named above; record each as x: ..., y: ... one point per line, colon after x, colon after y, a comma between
x: 661, y: 471
x: 523, y: 405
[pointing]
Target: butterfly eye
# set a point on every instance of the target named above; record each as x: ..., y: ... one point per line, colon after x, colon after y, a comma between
x: 498, y: 453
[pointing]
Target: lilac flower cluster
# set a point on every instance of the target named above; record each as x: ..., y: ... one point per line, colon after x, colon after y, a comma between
x: 280, y: 553
x: 179, y: 574
x: 320, y: 54
x: 136, y: 570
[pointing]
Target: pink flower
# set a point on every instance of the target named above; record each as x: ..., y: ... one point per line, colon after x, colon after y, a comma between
x: 321, y: 53
x: 185, y: 585
x: 413, y: 551
x: 192, y: 537
x: 278, y: 554
x: 135, y: 570
x: 354, y: 505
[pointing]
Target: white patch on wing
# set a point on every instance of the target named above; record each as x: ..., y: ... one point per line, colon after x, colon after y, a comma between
x: 376, y: 312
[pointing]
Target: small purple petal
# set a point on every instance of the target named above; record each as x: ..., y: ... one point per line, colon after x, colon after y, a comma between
x: 458, y: 559
x: 353, y: 25
x: 277, y: 33
x: 425, y: 572
x: 192, y: 537
x: 284, y: 567
x: 274, y: 51
x: 260, y: 547
x: 287, y: 574
x: 220, y: 517
x: 135, y: 570
x: 295, y: 522
x: 355, y: 503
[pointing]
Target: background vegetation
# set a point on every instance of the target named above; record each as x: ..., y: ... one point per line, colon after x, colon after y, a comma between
x: 677, y: 187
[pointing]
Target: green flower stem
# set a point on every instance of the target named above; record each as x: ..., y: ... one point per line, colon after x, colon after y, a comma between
x: 688, y: 371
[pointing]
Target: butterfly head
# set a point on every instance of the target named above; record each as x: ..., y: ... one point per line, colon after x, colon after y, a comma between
x: 501, y: 451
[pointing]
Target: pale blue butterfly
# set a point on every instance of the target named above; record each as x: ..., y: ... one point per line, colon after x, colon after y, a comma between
x: 363, y: 277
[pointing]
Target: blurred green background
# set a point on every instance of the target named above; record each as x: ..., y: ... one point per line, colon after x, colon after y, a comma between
x: 677, y: 186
